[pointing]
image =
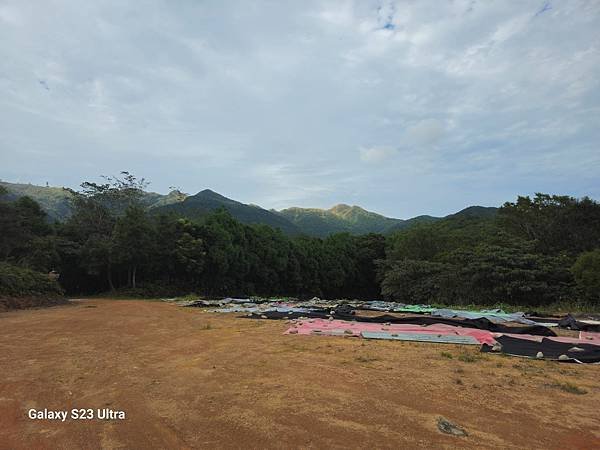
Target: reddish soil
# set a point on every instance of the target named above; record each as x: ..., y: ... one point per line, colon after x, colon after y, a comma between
x: 191, y: 379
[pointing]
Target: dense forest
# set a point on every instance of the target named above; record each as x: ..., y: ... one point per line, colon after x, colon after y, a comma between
x: 535, y: 251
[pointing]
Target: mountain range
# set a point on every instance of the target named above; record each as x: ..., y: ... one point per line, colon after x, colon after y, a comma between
x: 292, y: 221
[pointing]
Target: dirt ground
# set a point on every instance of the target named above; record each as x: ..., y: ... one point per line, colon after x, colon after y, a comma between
x: 192, y: 379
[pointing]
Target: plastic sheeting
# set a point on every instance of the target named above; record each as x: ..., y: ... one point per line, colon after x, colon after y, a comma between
x: 590, y: 337
x: 422, y: 337
x: 493, y: 315
x: 348, y: 328
x: 546, y: 349
x: 563, y: 339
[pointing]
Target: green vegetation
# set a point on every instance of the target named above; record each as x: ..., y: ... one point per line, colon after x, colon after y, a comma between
x: 58, y: 205
x: 570, y: 388
x: 510, y: 258
x: 57, y: 202
x: 199, y: 207
x: 365, y: 359
x: 468, y: 357
x: 22, y: 282
x: 339, y: 219
x: 446, y: 355
x: 586, y: 271
x: 54, y: 201
x: 114, y: 239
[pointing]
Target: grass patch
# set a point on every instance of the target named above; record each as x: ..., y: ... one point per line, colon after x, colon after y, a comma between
x: 569, y: 387
x: 365, y: 359
x: 446, y: 355
x: 468, y: 357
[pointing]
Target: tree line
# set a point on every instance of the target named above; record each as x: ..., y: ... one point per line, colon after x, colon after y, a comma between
x: 536, y: 251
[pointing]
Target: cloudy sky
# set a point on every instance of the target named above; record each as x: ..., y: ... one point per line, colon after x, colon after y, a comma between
x: 404, y: 108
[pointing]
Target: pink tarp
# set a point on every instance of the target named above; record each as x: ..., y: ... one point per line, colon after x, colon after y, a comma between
x: 346, y: 328
x: 590, y: 337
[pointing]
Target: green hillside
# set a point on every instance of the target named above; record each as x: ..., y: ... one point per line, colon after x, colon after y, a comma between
x: 56, y: 201
x: 340, y: 218
x: 196, y: 207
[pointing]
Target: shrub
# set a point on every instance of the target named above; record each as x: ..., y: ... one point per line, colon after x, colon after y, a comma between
x: 21, y: 282
x: 586, y: 272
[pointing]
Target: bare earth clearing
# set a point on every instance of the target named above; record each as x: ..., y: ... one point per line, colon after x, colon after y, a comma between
x: 190, y: 379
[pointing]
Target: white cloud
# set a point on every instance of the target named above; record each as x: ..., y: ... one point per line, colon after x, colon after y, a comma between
x: 426, y: 132
x: 269, y: 102
x: 376, y: 155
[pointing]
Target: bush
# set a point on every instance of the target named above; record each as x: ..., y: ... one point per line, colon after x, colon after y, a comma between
x: 21, y: 282
x: 586, y: 272
x: 485, y: 274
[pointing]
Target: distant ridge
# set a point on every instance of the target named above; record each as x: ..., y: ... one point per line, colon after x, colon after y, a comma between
x: 292, y: 221
x: 340, y: 218
x: 196, y: 207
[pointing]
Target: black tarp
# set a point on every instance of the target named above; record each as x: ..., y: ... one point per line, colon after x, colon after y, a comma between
x: 551, y: 349
x: 573, y: 324
x: 480, y: 324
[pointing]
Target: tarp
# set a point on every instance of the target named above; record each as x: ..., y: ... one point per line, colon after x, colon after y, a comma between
x: 564, y: 339
x: 415, y: 309
x: 481, y: 324
x: 378, y: 305
x: 549, y: 348
x: 422, y: 337
x: 348, y: 328
x: 493, y: 315
x: 590, y: 337
x: 573, y: 324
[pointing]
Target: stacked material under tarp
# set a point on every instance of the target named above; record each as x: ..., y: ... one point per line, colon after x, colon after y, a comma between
x: 571, y: 323
x: 263, y: 308
x: 493, y: 315
x: 480, y: 324
x: 415, y: 309
x: 590, y: 337
x: 581, y: 339
x: 546, y: 348
x: 442, y: 332
x: 378, y: 305
x: 432, y: 338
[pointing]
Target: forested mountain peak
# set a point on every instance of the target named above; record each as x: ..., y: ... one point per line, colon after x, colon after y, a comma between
x: 209, y: 193
x: 56, y: 202
x: 355, y: 213
x: 477, y: 211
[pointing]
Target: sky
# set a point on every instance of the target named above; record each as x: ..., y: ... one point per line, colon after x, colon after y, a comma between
x: 404, y: 108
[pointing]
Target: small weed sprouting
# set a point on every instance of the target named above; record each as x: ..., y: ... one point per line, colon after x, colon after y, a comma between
x: 570, y: 388
x: 467, y: 357
x: 365, y: 359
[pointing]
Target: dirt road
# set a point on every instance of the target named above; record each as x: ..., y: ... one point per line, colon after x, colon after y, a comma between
x: 190, y: 379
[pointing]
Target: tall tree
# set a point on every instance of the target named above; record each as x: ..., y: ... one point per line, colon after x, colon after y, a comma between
x: 132, y: 241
